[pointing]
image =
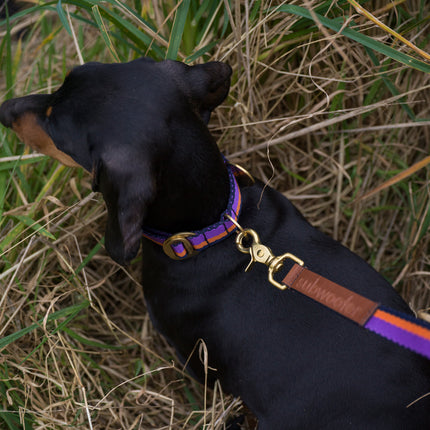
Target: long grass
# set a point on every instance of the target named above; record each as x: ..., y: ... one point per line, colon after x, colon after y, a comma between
x: 326, y: 105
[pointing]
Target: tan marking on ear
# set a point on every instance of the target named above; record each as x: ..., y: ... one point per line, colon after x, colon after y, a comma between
x: 48, y: 111
x: 32, y: 134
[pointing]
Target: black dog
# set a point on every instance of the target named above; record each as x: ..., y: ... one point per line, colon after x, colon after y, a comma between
x: 141, y: 129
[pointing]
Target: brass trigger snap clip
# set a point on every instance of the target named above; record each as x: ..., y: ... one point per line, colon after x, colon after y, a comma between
x: 261, y: 253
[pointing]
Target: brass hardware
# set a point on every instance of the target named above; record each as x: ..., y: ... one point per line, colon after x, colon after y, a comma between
x: 262, y: 254
x: 176, y: 239
x: 244, y: 171
x: 277, y: 263
x: 233, y: 221
x: 242, y: 236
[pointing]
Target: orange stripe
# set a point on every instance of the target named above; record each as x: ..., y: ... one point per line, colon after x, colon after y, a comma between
x: 182, y: 254
x: 232, y: 227
x: 153, y: 239
x: 201, y: 245
x: 239, y: 202
x: 235, y: 211
x: 221, y: 235
x: 214, y: 238
x: 405, y: 325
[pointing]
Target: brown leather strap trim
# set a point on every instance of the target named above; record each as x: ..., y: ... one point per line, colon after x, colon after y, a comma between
x: 347, y: 303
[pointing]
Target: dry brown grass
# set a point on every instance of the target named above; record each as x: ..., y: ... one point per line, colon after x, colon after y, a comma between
x: 298, y: 117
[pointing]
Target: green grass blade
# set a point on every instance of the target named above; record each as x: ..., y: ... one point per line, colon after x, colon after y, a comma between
x: 426, y: 223
x: 336, y: 25
x: 36, y: 227
x: 90, y: 255
x: 63, y: 17
x: 71, y: 310
x: 141, y: 39
x: 12, y: 165
x: 3, y: 188
x: 103, y: 31
x: 60, y: 327
x: 9, y: 62
x: 201, y: 52
x: 92, y: 343
x: 178, y: 30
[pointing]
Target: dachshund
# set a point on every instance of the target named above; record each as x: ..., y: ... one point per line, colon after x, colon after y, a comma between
x: 140, y: 128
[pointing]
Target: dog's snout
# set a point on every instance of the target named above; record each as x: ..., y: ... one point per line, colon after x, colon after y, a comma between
x: 13, y: 109
x: 6, y: 109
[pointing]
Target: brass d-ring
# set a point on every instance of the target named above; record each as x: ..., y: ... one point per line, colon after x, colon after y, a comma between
x: 244, y: 172
x: 276, y: 263
x: 177, y: 239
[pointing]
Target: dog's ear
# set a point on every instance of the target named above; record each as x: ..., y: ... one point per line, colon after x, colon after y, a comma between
x: 127, y: 185
x: 207, y: 85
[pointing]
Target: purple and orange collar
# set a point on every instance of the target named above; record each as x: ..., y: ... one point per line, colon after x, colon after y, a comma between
x: 184, y: 245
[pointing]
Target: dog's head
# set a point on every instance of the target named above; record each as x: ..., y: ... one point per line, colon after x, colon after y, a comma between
x: 117, y: 121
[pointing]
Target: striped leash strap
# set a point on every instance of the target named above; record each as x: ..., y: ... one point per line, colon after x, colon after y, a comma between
x: 399, y: 328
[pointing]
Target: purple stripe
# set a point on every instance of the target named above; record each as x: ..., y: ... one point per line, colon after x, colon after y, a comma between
x: 197, y: 240
x: 235, y: 205
x: 400, y: 336
x: 216, y: 231
x: 228, y: 224
x: 179, y: 248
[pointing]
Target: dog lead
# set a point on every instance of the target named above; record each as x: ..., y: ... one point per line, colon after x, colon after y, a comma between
x: 395, y: 326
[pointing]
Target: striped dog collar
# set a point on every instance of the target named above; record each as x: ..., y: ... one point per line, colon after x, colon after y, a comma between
x: 184, y: 245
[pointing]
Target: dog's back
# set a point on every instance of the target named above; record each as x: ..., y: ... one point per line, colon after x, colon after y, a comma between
x: 296, y: 364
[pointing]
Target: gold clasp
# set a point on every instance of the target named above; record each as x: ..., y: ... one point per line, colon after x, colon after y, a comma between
x: 262, y: 254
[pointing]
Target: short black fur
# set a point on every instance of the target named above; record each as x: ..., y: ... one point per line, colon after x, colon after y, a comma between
x: 141, y: 129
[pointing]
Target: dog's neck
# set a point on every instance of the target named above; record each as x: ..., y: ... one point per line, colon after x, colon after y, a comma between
x: 192, y: 190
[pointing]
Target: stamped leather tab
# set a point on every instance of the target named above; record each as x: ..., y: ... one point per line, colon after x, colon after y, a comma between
x: 345, y: 302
